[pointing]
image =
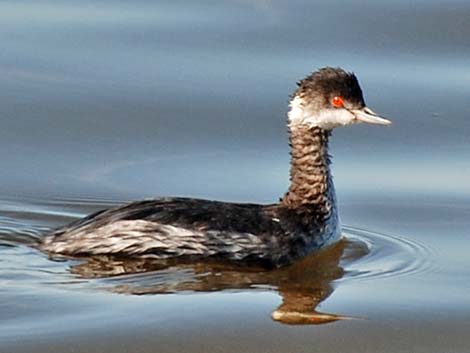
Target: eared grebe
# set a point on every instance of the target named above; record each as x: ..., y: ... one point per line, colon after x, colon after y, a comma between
x: 305, y: 219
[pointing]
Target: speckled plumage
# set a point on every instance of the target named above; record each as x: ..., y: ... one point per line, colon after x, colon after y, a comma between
x: 172, y: 227
x: 305, y: 220
x: 310, y: 176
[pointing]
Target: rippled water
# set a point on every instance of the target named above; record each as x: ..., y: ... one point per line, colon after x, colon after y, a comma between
x: 361, y: 255
x: 103, y: 102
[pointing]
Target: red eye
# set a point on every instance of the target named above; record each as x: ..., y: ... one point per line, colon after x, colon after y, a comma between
x: 337, y: 102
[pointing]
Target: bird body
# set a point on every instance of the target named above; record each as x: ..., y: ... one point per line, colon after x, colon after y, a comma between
x: 305, y: 220
x: 272, y: 235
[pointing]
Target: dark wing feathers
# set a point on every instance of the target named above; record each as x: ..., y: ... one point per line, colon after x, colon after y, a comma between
x: 170, y: 227
x: 183, y: 212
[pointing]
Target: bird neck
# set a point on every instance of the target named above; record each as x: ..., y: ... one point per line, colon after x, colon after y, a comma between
x: 311, y: 189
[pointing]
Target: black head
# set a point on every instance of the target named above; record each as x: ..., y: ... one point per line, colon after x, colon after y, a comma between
x: 323, y: 85
x: 331, y: 97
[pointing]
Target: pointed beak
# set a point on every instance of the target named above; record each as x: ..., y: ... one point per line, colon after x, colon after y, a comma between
x: 366, y: 115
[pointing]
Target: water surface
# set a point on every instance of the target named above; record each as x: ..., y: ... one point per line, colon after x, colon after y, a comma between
x: 104, y: 102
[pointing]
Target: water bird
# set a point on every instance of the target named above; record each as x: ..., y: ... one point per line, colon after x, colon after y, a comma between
x: 304, y: 220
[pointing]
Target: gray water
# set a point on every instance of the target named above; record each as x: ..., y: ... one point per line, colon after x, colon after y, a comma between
x: 104, y: 102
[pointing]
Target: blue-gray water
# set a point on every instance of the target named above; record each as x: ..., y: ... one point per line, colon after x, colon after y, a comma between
x: 103, y: 102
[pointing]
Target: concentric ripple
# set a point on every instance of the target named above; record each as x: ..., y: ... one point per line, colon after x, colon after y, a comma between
x: 388, y: 256
x: 366, y: 254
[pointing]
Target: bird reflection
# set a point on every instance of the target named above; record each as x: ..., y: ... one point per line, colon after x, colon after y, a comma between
x: 302, y: 285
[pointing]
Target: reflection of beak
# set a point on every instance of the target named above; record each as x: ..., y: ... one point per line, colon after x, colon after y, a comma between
x: 366, y: 115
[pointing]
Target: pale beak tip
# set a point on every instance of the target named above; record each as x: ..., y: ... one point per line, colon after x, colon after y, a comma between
x: 387, y: 122
x: 367, y: 115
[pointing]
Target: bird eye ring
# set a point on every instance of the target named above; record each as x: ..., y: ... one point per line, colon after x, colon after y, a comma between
x: 337, y: 102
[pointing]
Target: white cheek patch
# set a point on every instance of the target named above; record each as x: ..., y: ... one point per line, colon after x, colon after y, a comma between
x: 296, y: 112
x: 327, y: 119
